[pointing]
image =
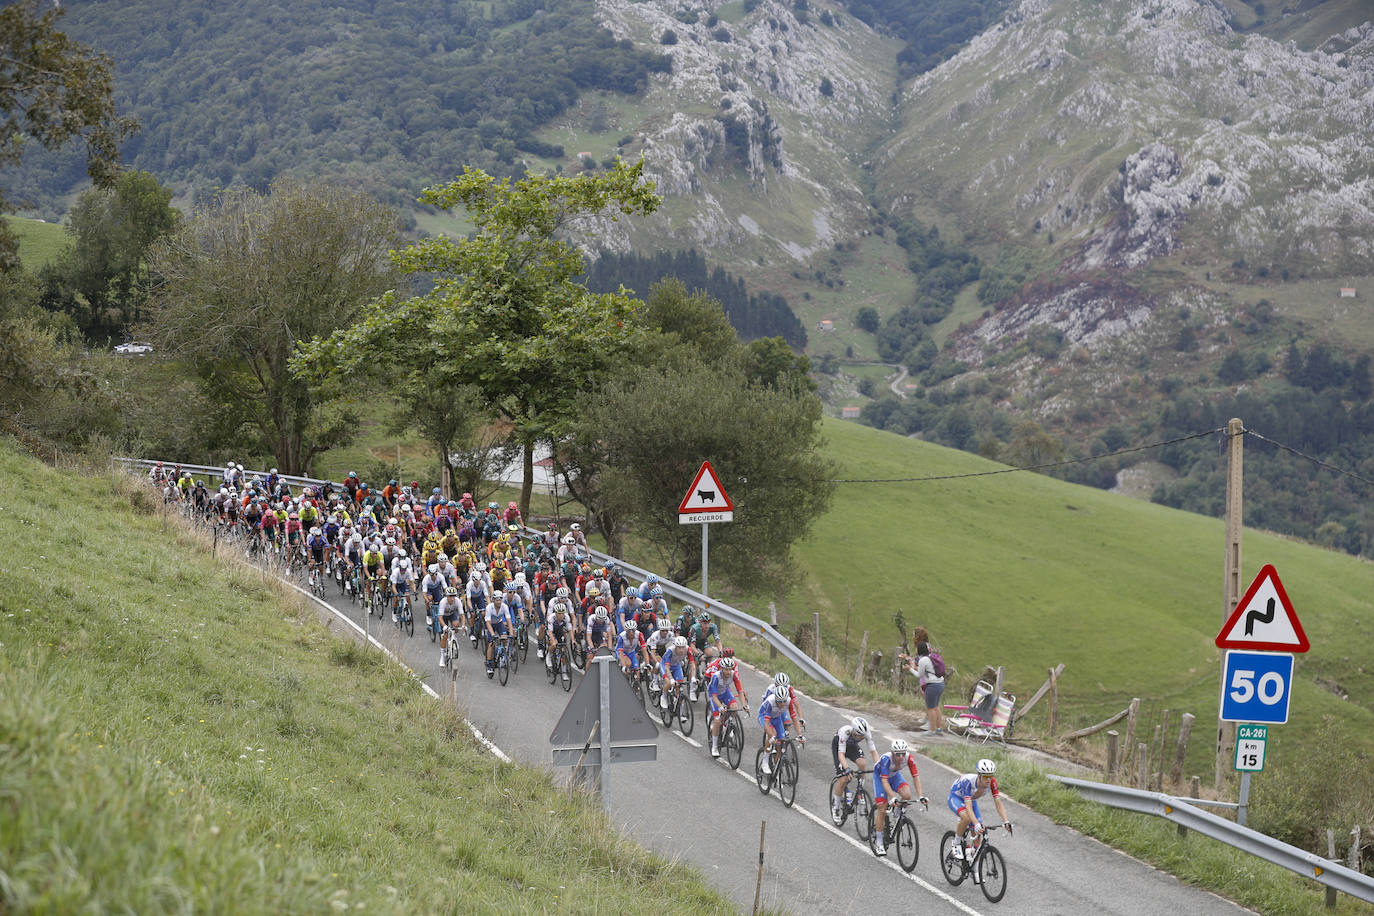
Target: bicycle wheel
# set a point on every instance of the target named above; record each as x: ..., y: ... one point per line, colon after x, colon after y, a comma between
x: 408, y: 620
x: 551, y: 669
x: 666, y: 708
x: 564, y: 669
x: 908, y: 844
x: 789, y: 752
x: 431, y: 625
x: 992, y: 873
x: 733, y: 739
x: 686, y: 716
x: 580, y: 655
x: 788, y: 773
x: 524, y: 641
x: 764, y: 780
x: 503, y: 664
x: 863, y: 813
x: 452, y: 657
x: 951, y: 860
x: 513, y: 654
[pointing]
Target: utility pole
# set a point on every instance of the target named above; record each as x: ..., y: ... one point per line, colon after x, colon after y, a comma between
x: 1231, y: 589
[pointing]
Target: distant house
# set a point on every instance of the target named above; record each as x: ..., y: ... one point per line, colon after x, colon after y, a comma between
x: 827, y: 325
x: 849, y: 413
x: 1347, y: 292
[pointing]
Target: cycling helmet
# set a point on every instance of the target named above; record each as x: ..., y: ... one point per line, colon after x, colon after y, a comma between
x: 651, y: 579
x: 601, y: 572
x: 404, y: 563
x: 630, y: 626
x: 400, y: 551
x: 433, y: 568
x: 510, y: 586
x: 436, y: 491
x: 680, y: 642
x: 727, y: 652
x: 391, y: 483
x: 352, y: 475
x: 295, y: 516
x: 316, y: 530
x: 520, y: 579
x: 568, y: 539
x: 986, y: 767
x: 574, y: 527
x: 899, y: 746
x: 593, y: 591
x: 601, y: 613
x: 451, y: 592
x: 781, y: 679
x: 664, y: 625
x: 512, y: 505
x: 656, y: 592
x: 563, y: 591
x: 859, y: 726
x: 390, y: 542
x: 727, y: 664
x: 689, y: 610
x: 480, y: 566
x: 492, y: 506
x: 513, y: 528
x: 705, y: 617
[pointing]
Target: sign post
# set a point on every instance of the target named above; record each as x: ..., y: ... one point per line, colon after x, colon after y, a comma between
x: 705, y: 503
x: 1260, y: 638
x: 603, y: 705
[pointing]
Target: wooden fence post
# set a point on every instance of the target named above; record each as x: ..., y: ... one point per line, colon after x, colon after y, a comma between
x: 1112, y: 761
x: 897, y: 668
x: 1132, y: 713
x: 1054, y: 699
x: 863, y: 650
x: 1142, y: 765
x: 1331, y: 854
x: 875, y: 664
x: 1185, y: 728
x: 816, y: 640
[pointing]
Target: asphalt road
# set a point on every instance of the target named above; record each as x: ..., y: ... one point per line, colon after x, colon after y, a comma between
x: 809, y: 865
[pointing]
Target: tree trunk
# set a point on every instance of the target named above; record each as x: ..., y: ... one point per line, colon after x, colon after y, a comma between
x: 527, y: 486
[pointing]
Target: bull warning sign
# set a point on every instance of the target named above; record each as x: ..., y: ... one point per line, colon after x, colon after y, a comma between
x: 706, y: 500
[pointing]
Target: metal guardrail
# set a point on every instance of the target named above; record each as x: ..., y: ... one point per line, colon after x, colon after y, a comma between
x: 739, y: 618
x: 1182, y: 812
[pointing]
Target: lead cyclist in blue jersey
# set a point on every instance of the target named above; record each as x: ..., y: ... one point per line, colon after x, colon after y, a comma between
x: 963, y: 801
x: 774, y: 716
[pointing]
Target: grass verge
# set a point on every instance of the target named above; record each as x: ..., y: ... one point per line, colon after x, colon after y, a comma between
x: 181, y: 735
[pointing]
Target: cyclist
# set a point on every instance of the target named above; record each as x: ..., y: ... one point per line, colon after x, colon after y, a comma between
x: 846, y: 745
x: 478, y: 594
x: 686, y: 620
x: 889, y: 782
x: 434, y: 586
x: 373, y: 564
x: 783, y: 691
x: 773, y: 719
x: 402, y: 577
x: 561, y: 610
x: 317, y: 550
x: 557, y: 625
x: 600, y: 631
x: 294, y: 532
x: 626, y: 609
x: 963, y: 801
x: 618, y: 583
x: 660, y: 643
x: 670, y: 668
x: 720, y: 697
x: 498, y: 623
x: 450, y: 611
x: 630, y: 648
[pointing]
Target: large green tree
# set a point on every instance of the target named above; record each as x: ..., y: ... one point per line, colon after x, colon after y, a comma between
x: 102, y: 280
x: 248, y: 277
x: 506, y: 314
x: 52, y: 90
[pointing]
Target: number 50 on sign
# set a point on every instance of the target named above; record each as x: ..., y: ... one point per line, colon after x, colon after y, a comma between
x: 1256, y: 687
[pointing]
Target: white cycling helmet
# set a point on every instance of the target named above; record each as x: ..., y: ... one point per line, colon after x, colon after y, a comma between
x: 404, y: 563
x: 986, y: 767
x: 781, y: 679
x: 899, y: 746
x: 569, y: 539
x: 433, y: 568
x: 400, y: 551
x: 563, y: 591
x: 680, y: 642
x: 859, y: 726
x: 391, y: 542
x: 601, y: 613
x: 630, y: 626
x: 316, y: 530
x: 727, y: 664
x: 664, y: 624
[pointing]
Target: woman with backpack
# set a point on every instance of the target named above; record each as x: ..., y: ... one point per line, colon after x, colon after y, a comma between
x: 929, y: 668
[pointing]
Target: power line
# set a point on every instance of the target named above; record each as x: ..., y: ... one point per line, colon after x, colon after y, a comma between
x: 1034, y: 467
x: 1317, y: 461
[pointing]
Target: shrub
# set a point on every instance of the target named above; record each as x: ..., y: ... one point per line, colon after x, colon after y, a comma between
x: 669, y: 37
x: 827, y: 88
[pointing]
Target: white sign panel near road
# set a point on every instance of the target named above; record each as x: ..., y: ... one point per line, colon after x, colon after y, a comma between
x: 1250, y: 742
x: 705, y: 501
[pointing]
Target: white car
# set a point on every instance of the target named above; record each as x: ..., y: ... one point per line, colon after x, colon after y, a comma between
x: 135, y: 348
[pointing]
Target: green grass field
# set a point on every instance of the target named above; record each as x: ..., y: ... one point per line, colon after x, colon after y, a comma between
x: 180, y: 735
x: 1026, y: 571
x: 39, y: 242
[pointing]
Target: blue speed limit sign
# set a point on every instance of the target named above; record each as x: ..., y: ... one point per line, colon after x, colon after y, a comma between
x: 1256, y: 687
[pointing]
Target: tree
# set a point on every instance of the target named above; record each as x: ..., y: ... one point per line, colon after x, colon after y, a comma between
x: 827, y: 87
x: 507, y: 313
x: 1234, y: 368
x: 654, y: 429
x: 53, y: 90
x: 102, y: 281
x: 1031, y: 446
x: 248, y: 277
x: 867, y: 319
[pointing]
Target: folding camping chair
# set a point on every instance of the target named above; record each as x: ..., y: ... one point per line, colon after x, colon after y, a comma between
x: 959, y: 719
x: 996, y: 727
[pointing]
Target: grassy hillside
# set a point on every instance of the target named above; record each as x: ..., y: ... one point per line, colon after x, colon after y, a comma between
x: 179, y: 736
x: 1026, y: 571
x: 39, y: 241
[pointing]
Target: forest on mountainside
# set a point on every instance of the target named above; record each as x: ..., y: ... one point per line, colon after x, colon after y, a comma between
x: 390, y: 97
x: 753, y: 315
x: 933, y: 31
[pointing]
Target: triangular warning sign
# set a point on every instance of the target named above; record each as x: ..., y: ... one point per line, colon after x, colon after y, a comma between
x: 705, y: 494
x: 1264, y: 619
x: 629, y: 721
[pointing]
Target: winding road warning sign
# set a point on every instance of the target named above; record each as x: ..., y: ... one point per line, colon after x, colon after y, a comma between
x: 1264, y: 620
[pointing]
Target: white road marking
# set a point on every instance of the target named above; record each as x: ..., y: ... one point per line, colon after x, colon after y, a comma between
x: 476, y: 732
